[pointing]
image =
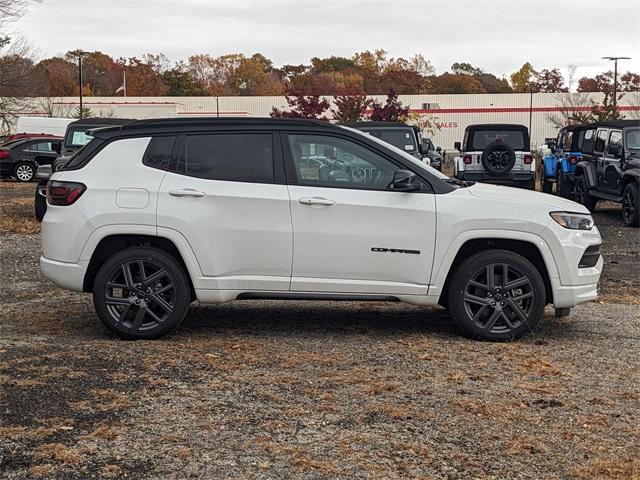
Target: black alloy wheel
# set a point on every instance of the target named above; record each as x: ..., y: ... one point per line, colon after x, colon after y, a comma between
x: 141, y: 293
x: 498, y: 158
x: 497, y: 295
x: 631, y: 205
x: 581, y: 194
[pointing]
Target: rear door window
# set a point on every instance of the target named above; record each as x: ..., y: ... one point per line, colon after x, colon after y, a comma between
x: 232, y: 157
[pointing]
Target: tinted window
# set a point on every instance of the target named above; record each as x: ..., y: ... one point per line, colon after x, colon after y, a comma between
x: 234, y: 157
x: 515, y: 138
x: 615, y: 142
x: 403, y: 138
x: 40, y: 147
x: 601, y: 139
x: 632, y: 139
x: 158, y: 153
x: 334, y: 162
x: 568, y: 136
x: 78, y: 136
x: 587, y: 142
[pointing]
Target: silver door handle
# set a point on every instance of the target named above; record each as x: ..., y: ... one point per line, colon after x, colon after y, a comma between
x: 186, y: 192
x: 316, y: 201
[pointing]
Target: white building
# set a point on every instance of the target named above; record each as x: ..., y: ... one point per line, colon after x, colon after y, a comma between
x: 451, y: 113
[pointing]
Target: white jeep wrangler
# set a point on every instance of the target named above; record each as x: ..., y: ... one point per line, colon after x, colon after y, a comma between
x: 496, y: 153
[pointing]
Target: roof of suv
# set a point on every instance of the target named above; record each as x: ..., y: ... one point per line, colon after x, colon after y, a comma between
x: 496, y: 126
x: 376, y: 124
x: 158, y: 125
x: 618, y: 123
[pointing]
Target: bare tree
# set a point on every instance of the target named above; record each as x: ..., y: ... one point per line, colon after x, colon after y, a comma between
x: 574, y: 108
x: 13, y: 52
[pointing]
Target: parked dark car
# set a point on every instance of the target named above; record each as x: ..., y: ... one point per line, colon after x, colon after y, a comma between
x: 75, y: 137
x: 25, y: 136
x: 21, y: 158
x: 610, y: 168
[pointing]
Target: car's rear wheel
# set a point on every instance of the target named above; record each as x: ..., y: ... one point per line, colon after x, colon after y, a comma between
x: 141, y: 293
x: 24, y: 172
x: 631, y: 205
x: 496, y: 295
x: 582, y: 195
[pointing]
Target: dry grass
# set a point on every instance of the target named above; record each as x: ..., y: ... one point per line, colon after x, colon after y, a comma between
x: 609, y: 468
x: 11, y: 223
x: 42, y: 471
x: 103, y: 432
x: 58, y: 453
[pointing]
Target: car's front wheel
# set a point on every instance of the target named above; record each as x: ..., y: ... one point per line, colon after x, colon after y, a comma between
x: 563, y: 187
x: 141, y: 293
x: 631, y: 205
x: 496, y: 295
x: 24, y: 172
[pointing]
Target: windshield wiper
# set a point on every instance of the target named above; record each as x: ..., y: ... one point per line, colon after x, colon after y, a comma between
x: 460, y: 183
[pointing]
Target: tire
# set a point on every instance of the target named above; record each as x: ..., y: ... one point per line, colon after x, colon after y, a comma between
x: 563, y: 187
x: 120, y: 310
x: 582, y: 194
x: 491, y: 312
x: 24, y: 172
x: 547, y: 186
x: 498, y: 158
x: 40, y: 205
x: 631, y: 205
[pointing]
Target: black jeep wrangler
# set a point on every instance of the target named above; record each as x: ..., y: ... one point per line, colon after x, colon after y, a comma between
x: 496, y: 153
x: 610, y: 167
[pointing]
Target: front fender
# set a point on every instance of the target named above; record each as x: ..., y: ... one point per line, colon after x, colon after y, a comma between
x: 441, y: 271
x: 584, y: 169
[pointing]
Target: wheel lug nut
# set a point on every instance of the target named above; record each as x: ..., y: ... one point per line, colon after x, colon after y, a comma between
x: 502, y: 303
x: 137, y: 302
x: 489, y: 294
x: 493, y: 304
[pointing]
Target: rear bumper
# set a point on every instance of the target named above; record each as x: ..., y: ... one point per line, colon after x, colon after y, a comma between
x: 65, y: 275
x: 510, y: 178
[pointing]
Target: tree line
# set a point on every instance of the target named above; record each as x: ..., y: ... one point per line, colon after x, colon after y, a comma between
x: 365, y: 73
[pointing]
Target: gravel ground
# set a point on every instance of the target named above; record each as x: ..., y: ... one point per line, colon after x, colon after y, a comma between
x: 265, y: 389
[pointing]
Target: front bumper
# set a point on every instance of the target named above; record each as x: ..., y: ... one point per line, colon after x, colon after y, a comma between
x: 567, y: 297
x: 63, y: 274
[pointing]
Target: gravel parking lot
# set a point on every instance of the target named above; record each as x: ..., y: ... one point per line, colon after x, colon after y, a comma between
x: 266, y: 389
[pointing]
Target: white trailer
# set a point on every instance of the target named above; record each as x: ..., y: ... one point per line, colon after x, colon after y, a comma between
x: 45, y: 125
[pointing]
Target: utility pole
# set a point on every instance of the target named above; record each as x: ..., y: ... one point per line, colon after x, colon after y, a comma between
x: 80, y: 54
x: 615, y: 76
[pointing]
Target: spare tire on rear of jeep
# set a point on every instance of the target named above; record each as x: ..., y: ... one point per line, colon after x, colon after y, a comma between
x: 498, y: 158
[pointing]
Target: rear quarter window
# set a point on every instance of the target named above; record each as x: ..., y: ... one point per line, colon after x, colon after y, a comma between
x: 158, y: 153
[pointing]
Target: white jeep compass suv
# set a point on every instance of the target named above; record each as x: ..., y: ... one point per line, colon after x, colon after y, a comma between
x: 154, y: 214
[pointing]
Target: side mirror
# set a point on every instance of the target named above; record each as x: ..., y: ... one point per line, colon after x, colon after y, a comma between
x: 405, y: 181
x: 457, y: 146
x: 618, y: 151
x: 43, y: 172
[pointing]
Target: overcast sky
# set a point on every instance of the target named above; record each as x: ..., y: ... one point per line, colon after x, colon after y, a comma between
x: 497, y: 35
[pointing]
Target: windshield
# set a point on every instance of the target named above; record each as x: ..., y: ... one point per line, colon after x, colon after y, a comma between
x: 632, y: 139
x: 402, y: 138
x: 417, y: 163
x: 483, y: 138
x: 77, y: 136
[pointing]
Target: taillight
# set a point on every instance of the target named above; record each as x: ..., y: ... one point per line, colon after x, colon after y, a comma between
x: 467, y: 159
x: 64, y: 193
x: 4, y: 153
x: 573, y: 159
x: 528, y: 159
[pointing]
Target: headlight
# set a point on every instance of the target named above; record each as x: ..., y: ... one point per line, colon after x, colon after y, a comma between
x: 573, y: 221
